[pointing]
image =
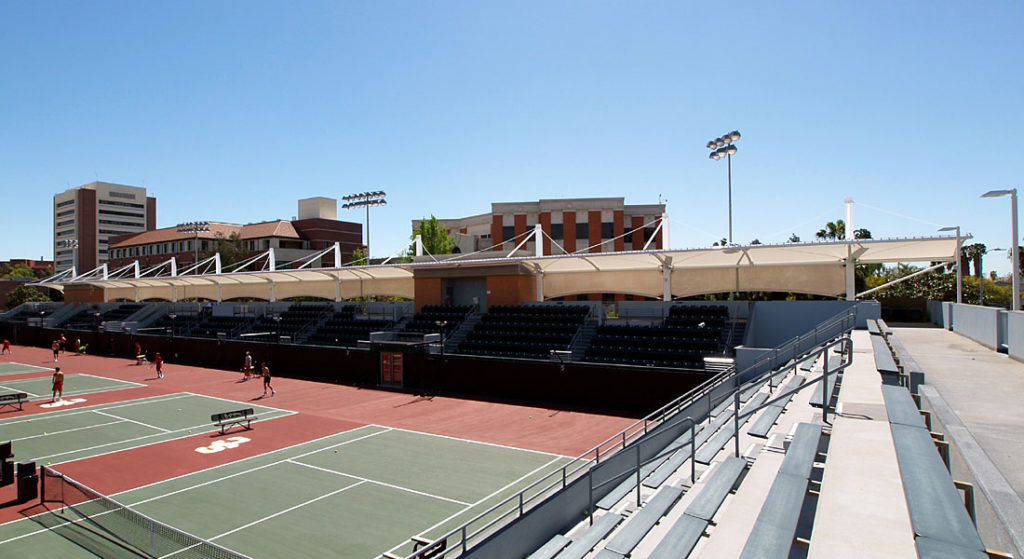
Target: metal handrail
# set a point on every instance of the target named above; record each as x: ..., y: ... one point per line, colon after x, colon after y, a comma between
x: 639, y: 464
x: 844, y: 321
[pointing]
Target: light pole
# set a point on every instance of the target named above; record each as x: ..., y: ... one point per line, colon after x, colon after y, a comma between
x: 73, y: 245
x: 959, y: 287
x: 195, y: 227
x: 724, y: 147
x: 365, y: 200
x: 1013, y: 247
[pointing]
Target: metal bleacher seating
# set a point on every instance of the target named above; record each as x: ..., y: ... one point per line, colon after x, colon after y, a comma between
x: 529, y: 331
x: 434, y: 318
x: 345, y: 328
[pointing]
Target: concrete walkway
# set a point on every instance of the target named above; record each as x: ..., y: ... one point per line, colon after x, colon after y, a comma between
x: 977, y: 395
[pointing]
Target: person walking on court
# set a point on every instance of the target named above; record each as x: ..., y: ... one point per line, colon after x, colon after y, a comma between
x: 56, y: 349
x: 63, y: 341
x: 159, y: 362
x: 7, y: 348
x: 58, y: 384
x: 266, y: 380
x: 247, y: 367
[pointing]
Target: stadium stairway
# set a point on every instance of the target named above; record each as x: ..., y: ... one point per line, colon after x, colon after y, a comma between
x: 582, y: 341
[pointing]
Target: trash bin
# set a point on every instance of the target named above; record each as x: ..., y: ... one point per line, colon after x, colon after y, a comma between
x: 28, y: 488
x: 26, y: 468
x: 6, y: 473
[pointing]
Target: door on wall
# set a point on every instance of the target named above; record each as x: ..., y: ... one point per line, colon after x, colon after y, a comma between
x: 466, y: 291
x: 392, y: 365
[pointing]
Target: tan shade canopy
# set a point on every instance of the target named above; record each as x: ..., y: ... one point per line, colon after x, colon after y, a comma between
x: 816, y: 268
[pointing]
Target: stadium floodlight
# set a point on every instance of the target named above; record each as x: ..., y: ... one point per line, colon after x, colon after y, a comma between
x: 1012, y: 193
x: 724, y: 146
x: 195, y: 227
x: 959, y: 257
x: 365, y: 200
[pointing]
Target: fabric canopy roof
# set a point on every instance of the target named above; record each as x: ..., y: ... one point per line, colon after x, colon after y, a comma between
x: 817, y: 268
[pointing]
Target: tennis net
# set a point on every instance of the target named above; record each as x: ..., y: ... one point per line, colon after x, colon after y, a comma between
x: 123, y: 524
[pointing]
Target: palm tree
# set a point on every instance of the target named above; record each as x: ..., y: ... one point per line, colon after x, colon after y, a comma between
x: 836, y: 231
x: 973, y: 253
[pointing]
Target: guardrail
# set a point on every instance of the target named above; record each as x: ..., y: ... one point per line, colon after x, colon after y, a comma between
x: 796, y: 348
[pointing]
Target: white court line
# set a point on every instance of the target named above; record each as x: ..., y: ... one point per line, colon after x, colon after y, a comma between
x: 186, y: 432
x: 496, y: 445
x: 5, y: 387
x: 279, y: 513
x: 381, y: 483
x: 57, y: 414
x: 189, y: 488
x: 289, y: 412
x: 132, y: 421
x: 108, y: 378
x: 494, y: 493
x: 48, y: 433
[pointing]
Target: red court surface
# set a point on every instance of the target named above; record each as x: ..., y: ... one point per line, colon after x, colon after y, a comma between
x: 322, y: 409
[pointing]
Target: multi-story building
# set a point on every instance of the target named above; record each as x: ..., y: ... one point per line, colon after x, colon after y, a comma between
x: 316, y: 229
x: 86, y: 217
x: 569, y: 225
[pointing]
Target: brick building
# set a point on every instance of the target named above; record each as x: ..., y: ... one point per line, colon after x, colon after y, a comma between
x: 87, y: 216
x: 569, y: 224
x: 316, y: 229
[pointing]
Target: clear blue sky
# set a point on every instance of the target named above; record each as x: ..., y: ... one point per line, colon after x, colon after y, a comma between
x: 232, y: 111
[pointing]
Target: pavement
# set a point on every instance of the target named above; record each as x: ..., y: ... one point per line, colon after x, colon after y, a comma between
x: 977, y: 395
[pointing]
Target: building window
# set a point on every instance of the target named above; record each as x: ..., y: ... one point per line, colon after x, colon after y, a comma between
x: 557, y: 231
x: 607, y: 230
x: 63, y: 223
x: 628, y: 238
x: 507, y: 232
x: 115, y: 194
x: 65, y: 212
x: 65, y: 203
x: 582, y: 231
x: 648, y: 233
x: 65, y: 233
x: 122, y: 204
x: 124, y: 214
x: 111, y: 222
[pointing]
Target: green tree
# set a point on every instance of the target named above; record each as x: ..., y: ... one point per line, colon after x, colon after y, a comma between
x: 231, y: 248
x: 974, y: 254
x: 359, y: 257
x: 836, y: 231
x: 23, y: 294
x: 794, y: 238
x: 436, y: 239
x: 18, y: 271
x: 755, y: 242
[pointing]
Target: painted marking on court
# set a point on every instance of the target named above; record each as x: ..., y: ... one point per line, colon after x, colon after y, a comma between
x: 222, y: 445
x: 381, y: 483
x: 108, y: 378
x: 62, y: 403
x: 449, y: 437
x: 131, y: 421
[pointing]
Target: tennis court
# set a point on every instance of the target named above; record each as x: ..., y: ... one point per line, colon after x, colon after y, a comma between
x: 353, y: 494
x: 74, y: 384
x: 82, y: 432
x: 21, y: 368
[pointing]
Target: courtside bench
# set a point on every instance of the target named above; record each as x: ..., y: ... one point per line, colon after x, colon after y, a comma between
x: 229, y: 419
x: 13, y: 399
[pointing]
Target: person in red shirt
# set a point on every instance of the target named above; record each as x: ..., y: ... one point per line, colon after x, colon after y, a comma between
x: 159, y: 362
x: 7, y: 348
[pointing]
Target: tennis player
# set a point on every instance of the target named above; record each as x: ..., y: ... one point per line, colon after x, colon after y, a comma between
x: 58, y: 384
x: 266, y: 380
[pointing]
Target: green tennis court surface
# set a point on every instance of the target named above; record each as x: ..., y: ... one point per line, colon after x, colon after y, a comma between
x: 74, y: 384
x: 350, y: 495
x: 18, y: 368
x: 71, y: 434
